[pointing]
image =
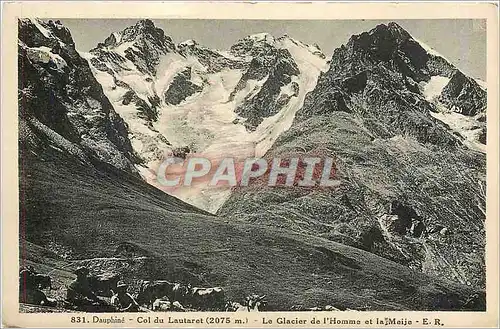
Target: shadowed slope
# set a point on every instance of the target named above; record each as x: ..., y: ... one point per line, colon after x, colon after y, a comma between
x: 80, y: 211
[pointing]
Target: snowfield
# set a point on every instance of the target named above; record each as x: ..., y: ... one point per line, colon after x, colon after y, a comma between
x: 433, y: 88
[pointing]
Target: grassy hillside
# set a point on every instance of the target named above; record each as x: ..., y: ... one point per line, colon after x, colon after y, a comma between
x: 445, y: 187
x: 74, y: 214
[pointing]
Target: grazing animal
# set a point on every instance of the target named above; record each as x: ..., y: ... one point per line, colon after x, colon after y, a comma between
x: 180, y: 292
x: 207, y: 298
x: 256, y: 303
x: 152, y: 290
x: 176, y: 306
x: 104, y: 286
x: 162, y: 304
x: 30, y: 285
x: 315, y: 309
x: 253, y: 303
x: 235, y: 307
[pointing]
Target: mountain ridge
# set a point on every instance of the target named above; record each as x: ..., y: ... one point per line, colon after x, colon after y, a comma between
x: 403, y: 231
x: 198, y: 99
x: 369, y: 114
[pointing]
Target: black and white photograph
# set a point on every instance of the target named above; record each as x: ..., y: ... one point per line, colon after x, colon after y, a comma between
x: 251, y: 165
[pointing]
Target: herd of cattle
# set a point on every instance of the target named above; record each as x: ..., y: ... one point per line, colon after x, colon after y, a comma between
x: 162, y: 295
x: 152, y: 293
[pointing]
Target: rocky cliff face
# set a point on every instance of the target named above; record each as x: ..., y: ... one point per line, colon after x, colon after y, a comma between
x: 61, y: 103
x: 276, y: 67
x: 412, y: 189
x: 142, y: 43
x: 213, y: 60
x: 463, y: 95
x: 181, y: 88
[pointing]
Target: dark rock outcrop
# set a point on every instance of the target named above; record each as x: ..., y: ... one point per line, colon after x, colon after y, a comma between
x: 368, y: 114
x: 277, y: 67
x: 463, y: 95
x: 58, y: 91
x: 375, y: 76
x: 147, y: 44
x: 181, y: 88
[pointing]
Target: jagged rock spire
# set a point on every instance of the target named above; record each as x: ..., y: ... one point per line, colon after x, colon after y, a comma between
x: 144, y: 31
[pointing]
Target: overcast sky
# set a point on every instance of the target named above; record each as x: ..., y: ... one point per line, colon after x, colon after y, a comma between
x: 461, y: 41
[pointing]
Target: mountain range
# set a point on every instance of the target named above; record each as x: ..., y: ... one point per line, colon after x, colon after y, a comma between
x: 407, y: 130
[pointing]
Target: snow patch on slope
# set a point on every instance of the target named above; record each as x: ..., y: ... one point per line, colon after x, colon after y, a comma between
x: 120, y: 49
x: 170, y: 65
x: 482, y: 83
x: 45, y: 54
x: 189, y: 42
x: 262, y: 37
x: 252, y: 87
x: 433, y: 88
x: 117, y: 36
x: 466, y: 126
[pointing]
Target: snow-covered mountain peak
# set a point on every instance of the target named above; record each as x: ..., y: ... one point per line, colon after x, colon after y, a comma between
x: 143, y: 41
x: 187, y: 43
x: 145, y: 30
x: 47, y: 32
x: 429, y: 49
